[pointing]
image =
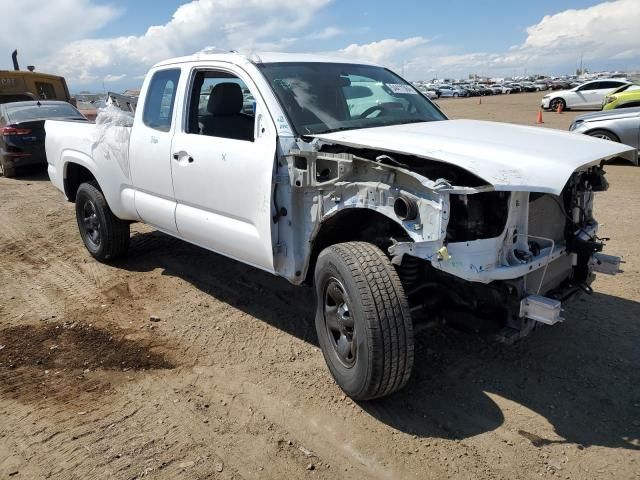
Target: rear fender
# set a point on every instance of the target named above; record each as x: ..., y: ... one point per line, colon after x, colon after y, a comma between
x: 119, y: 198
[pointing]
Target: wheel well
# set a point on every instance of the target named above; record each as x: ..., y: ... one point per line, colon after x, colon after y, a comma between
x: 606, y: 130
x: 75, y: 176
x: 354, y: 224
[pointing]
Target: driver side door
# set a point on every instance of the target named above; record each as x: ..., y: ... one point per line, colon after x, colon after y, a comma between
x: 222, y: 163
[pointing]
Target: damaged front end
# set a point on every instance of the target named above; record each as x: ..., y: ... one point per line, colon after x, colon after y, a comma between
x: 467, y: 254
x: 546, y: 251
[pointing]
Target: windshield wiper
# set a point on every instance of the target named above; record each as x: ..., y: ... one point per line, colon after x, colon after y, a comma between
x: 337, y: 129
x: 415, y: 120
x: 376, y: 125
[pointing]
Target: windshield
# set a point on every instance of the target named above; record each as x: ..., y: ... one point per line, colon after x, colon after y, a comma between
x: 328, y: 97
x: 25, y: 113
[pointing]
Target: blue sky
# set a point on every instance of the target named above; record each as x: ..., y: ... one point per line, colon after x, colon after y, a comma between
x: 93, y: 42
x: 492, y: 24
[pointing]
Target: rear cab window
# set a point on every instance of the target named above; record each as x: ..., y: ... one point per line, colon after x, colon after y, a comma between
x: 160, y: 99
x: 45, y: 91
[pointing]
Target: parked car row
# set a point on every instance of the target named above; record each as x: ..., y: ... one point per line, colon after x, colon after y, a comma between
x: 474, y: 89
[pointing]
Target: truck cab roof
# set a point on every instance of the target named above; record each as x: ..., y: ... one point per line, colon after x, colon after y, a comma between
x: 262, y: 57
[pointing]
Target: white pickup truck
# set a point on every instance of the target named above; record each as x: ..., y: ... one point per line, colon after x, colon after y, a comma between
x: 345, y: 177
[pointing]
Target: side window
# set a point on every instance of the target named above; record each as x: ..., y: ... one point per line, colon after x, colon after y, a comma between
x: 45, y: 91
x: 221, y: 106
x: 629, y: 105
x: 161, y: 96
x: 590, y: 86
x: 610, y: 85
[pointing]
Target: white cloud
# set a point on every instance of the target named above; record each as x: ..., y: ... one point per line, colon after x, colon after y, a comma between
x: 57, y: 37
x: 599, y: 32
x: 237, y: 24
x: 326, y: 33
x: 385, y: 51
x: 114, y: 78
x: 35, y: 27
x: 603, y: 33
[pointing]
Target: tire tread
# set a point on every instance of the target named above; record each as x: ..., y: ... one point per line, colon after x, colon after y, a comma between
x: 116, y: 235
x: 387, y: 315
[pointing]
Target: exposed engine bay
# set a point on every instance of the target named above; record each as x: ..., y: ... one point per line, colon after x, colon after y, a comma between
x: 468, y: 255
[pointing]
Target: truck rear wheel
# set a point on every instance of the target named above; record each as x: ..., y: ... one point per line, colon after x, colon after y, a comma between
x: 363, y: 320
x: 105, y: 235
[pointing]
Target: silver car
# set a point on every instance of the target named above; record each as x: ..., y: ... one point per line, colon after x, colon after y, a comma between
x: 450, y: 91
x: 621, y: 125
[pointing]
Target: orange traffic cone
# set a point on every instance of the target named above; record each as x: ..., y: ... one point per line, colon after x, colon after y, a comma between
x: 559, y: 108
x: 539, y: 119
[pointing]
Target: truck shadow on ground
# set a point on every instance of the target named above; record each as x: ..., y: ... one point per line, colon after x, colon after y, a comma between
x: 582, y: 376
x: 31, y: 173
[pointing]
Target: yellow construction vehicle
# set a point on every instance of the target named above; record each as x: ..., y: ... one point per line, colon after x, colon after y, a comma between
x: 18, y: 85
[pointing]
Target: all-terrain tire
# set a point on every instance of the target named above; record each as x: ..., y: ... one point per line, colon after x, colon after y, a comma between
x: 112, y: 239
x: 376, y: 307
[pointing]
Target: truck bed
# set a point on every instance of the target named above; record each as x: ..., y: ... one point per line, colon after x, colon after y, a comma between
x: 101, y: 147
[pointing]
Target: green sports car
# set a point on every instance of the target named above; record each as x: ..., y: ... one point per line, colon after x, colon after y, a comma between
x: 623, y: 97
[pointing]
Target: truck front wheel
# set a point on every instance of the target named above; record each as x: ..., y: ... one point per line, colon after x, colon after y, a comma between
x: 105, y: 235
x: 363, y: 320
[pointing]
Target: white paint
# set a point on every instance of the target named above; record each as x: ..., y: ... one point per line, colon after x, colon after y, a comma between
x: 222, y: 186
x: 222, y: 200
x: 509, y: 157
x: 261, y: 57
x: 150, y: 154
x: 585, y: 95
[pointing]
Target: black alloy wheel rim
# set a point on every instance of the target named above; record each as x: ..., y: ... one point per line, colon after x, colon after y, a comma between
x: 91, y: 224
x: 339, y: 323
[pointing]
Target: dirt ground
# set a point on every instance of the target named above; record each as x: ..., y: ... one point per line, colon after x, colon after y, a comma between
x: 519, y: 108
x: 229, y: 382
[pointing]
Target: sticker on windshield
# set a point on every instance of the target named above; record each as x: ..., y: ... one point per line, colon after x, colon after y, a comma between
x: 400, y: 88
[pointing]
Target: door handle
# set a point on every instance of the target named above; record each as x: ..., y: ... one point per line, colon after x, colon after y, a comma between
x: 176, y: 156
